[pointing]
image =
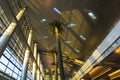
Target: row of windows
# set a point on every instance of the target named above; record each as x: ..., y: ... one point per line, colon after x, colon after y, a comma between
x: 12, y: 59
x: 4, y: 22
x: 10, y: 65
x: 16, y: 6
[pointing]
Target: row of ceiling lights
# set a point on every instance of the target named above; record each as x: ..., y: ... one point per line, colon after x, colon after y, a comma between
x: 57, y: 11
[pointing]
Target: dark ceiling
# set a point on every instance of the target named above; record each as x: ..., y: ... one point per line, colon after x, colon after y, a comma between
x: 72, y: 11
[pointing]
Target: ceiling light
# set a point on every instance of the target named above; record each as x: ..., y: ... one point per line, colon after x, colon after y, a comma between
x: 71, y: 25
x: 56, y: 10
x: 117, y: 50
x: 65, y: 52
x: 82, y: 79
x: 45, y: 37
x: 43, y: 20
x: 76, y: 50
x: 92, y: 15
x: 82, y: 37
x: 67, y: 41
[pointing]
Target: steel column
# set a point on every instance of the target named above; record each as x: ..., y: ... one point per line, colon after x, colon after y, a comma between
x: 38, y: 70
x: 4, y: 39
x: 60, y: 61
x: 34, y: 64
x: 26, y: 58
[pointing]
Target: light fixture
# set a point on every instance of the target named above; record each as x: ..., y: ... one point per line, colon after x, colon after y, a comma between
x: 82, y: 37
x: 76, y: 50
x: 65, y: 52
x: 56, y: 10
x: 117, y: 50
x: 114, y: 74
x: 43, y: 20
x: 67, y: 42
x: 92, y: 15
x: 71, y: 25
x: 45, y: 37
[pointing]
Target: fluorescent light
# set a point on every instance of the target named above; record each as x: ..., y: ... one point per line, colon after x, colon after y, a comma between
x: 76, y: 50
x: 45, y: 37
x: 56, y: 10
x: 82, y: 37
x: 71, y: 25
x: 92, y: 15
x: 67, y: 41
x: 114, y: 74
x: 43, y: 20
x: 65, y: 52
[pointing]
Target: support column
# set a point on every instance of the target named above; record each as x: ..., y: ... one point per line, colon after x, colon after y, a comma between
x: 42, y: 76
x: 34, y: 64
x: 4, y: 39
x: 38, y: 70
x: 60, y: 61
x: 26, y: 58
x: 56, y: 66
x: 50, y: 74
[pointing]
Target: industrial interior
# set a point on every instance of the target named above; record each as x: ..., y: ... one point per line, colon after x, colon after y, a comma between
x: 59, y: 39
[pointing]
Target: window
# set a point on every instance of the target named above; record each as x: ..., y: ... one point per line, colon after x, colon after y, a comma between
x: 11, y: 66
x: 16, y: 70
x: 14, y: 75
x: 7, y: 54
x: 4, y: 60
x: 2, y: 67
x: 9, y: 72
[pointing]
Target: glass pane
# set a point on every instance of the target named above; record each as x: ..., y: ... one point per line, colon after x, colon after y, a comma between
x: 10, y: 65
x: 2, y: 67
x: 18, y: 78
x: 16, y: 70
x: 9, y: 72
x: 7, y: 54
x: 4, y: 60
x: 17, y: 64
x: 20, y: 73
x: 12, y: 59
x: 14, y: 75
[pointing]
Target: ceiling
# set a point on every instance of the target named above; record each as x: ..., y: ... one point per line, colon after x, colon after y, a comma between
x: 76, y: 12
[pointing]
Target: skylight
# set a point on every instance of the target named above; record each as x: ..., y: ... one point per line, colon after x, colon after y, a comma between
x: 45, y: 37
x: 76, y: 50
x: 67, y: 41
x: 56, y: 10
x: 43, y: 20
x: 71, y: 25
x: 82, y: 37
x: 92, y: 15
